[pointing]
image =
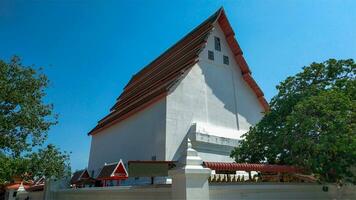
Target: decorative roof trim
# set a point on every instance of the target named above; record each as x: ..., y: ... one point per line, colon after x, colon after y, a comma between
x: 112, y: 176
x: 239, y: 58
x: 118, y: 164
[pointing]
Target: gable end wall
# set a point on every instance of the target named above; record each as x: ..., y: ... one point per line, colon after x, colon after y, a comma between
x: 213, y: 94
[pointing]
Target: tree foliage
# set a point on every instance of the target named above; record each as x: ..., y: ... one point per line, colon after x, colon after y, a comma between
x: 24, y: 123
x: 24, y: 118
x: 311, y: 123
x: 46, y: 162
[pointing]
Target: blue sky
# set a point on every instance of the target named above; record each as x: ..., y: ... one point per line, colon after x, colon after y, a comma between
x: 90, y: 49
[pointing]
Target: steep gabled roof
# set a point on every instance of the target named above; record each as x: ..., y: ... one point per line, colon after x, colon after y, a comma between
x: 113, y: 171
x: 154, y: 81
x: 78, y: 175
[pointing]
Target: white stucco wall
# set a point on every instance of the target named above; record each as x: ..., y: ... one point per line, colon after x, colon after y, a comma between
x: 231, y: 101
x: 38, y: 195
x: 113, y: 193
x: 213, y: 94
x: 245, y: 191
x: 138, y: 137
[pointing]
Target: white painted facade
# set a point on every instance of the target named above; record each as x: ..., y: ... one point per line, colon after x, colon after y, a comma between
x: 212, y: 105
x: 139, y: 137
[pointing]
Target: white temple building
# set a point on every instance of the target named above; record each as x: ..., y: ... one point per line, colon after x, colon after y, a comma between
x: 201, y: 88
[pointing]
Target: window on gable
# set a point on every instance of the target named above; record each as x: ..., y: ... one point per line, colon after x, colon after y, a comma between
x: 217, y: 44
x: 211, y: 55
x: 226, y: 60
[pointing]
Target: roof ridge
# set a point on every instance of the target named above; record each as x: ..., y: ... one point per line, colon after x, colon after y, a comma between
x: 113, y: 163
x: 216, y: 14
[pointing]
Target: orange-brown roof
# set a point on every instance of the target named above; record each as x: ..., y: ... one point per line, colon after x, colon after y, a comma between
x: 223, y: 166
x: 15, y: 186
x: 154, y: 81
x: 33, y: 188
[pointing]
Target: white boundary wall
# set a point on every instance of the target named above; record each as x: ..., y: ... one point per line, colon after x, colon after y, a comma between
x: 279, y: 191
x: 190, y: 182
x: 38, y: 195
x: 123, y: 192
x: 217, y: 192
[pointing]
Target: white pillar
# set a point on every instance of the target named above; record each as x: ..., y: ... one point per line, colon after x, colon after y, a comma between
x: 190, y: 178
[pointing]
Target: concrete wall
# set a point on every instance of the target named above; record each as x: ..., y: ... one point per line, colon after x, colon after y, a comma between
x: 279, y: 191
x: 213, y: 94
x: 30, y: 196
x: 216, y: 192
x: 147, y: 193
x: 139, y: 137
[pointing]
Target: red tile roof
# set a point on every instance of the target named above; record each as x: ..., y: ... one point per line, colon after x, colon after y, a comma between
x: 15, y: 186
x: 79, y: 175
x: 34, y: 188
x: 154, y: 81
x: 222, y: 166
x: 114, y: 171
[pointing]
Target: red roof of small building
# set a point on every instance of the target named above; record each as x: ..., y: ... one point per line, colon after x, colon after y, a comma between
x: 223, y: 166
x: 154, y: 81
x: 15, y: 186
x: 33, y: 188
x: 114, y: 171
x: 79, y: 176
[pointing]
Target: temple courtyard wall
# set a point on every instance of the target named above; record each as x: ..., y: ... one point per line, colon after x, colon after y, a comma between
x: 216, y: 192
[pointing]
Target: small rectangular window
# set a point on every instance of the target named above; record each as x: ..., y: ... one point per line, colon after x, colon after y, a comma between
x: 217, y: 44
x: 211, y: 55
x: 226, y: 60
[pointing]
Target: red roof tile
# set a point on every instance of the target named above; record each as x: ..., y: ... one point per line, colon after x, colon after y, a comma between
x: 221, y: 166
x: 15, y: 186
x: 34, y: 188
x: 114, y: 171
x: 79, y: 175
x: 154, y: 81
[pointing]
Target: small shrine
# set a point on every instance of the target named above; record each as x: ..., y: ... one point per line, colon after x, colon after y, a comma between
x: 112, y: 174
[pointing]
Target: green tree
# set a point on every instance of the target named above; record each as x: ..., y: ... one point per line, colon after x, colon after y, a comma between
x: 49, y: 162
x: 24, y: 118
x: 311, y: 123
x: 12, y: 166
x: 46, y: 162
x: 24, y: 123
